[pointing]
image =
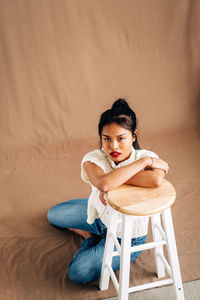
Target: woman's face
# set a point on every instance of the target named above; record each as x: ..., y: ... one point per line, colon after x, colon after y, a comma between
x: 117, y: 139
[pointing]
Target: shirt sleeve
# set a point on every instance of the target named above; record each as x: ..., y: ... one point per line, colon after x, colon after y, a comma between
x: 96, y: 158
x: 145, y: 153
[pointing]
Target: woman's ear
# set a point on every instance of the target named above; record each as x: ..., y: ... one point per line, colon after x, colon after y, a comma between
x: 135, y: 135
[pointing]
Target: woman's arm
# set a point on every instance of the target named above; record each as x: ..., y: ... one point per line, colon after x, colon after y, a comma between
x: 147, y: 178
x: 106, y: 182
x: 141, y: 179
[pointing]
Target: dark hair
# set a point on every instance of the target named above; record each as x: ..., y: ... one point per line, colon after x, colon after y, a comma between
x: 121, y: 114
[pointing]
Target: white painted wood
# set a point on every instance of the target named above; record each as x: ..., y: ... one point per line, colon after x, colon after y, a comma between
x: 166, y: 264
x: 155, y: 222
x: 160, y: 237
x: 125, y: 257
x: 162, y: 233
x: 115, y: 240
x: 108, y: 251
x: 150, y: 285
x: 172, y: 253
x: 147, y: 246
x: 114, y: 278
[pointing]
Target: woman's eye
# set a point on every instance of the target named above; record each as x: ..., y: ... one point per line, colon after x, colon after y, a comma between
x: 107, y: 139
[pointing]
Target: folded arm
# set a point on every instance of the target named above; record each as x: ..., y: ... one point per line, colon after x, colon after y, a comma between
x: 147, y: 178
x: 106, y: 182
x: 130, y: 174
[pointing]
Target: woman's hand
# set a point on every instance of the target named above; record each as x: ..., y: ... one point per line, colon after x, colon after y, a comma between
x: 101, y: 197
x: 157, y: 163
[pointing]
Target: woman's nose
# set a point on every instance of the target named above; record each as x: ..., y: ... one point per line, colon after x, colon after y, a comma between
x: 114, y: 145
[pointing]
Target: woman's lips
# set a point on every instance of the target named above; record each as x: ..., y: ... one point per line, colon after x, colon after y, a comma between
x: 115, y: 154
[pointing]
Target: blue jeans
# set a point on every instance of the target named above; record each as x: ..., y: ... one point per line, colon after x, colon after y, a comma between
x: 87, y: 261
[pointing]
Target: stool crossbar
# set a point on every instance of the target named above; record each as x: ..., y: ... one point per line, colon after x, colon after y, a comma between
x: 161, y: 237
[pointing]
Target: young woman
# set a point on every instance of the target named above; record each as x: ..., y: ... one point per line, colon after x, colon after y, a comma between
x: 118, y: 160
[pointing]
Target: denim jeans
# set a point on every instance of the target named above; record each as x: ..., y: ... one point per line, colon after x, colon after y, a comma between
x: 87, y: 261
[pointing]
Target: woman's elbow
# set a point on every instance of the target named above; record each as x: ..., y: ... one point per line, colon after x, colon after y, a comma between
x: 106, y: 186
x: 158, y: 180
x: 103, y: 186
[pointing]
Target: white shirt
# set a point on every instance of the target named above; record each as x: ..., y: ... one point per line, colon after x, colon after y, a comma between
x: 95, y: 207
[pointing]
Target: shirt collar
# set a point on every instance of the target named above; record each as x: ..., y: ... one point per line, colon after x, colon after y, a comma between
x: 123, y: 163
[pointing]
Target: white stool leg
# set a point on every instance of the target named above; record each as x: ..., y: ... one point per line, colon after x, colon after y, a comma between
x: 125, y: 257
x: 108, y: 253
x: 172, y: 252
x: 160, y: 268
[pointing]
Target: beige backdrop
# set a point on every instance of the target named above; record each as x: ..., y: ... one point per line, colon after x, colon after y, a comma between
x: 62, y: 64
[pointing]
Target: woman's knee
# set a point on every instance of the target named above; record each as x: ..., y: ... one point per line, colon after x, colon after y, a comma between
x: 75, y: 274
x: 86, y: 265
x: 81, y: 274
x: 52, y: 215
x: 57, y: 214
x: 67, y: 213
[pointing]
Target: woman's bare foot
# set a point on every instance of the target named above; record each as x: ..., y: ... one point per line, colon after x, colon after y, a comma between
x: 83, y: 233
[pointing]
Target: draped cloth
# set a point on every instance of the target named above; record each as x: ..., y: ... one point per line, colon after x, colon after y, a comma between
x: 62, y: 64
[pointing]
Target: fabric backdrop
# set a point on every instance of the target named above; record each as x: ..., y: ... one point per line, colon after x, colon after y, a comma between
x: 62, y: 64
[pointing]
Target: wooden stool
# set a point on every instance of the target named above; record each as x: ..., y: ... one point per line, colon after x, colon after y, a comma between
x: 137, y: 202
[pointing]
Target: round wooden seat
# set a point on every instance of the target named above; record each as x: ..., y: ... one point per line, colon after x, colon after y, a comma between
x: 139, y: 201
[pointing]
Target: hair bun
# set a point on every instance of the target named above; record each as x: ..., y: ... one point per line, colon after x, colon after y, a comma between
x: 120, y: 104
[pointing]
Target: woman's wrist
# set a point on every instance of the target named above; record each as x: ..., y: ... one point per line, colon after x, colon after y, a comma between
x: 148, y: 162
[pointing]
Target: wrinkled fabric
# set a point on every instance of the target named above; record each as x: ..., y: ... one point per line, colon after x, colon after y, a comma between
x: 62, y: 64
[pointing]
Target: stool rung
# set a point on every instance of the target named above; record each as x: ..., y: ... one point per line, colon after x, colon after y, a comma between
x: 116, y: 244
x: 115, y: 253
x: 141, y: 247
x: 149, y: 285
x: 165, y: 263
x: 147, y: 246
x: 161, y: 231
x: 114, y: 279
